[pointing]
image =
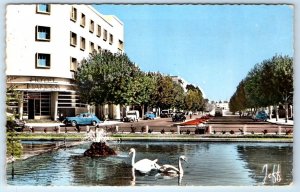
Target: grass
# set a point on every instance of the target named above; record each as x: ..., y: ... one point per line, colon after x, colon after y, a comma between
x: 145, y: 136
x: 50, y: 136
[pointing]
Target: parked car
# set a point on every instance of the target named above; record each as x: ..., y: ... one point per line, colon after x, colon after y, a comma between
x: 261, y: 116
x: 165, y: 113
x: 149, y: 115
x: 82, y: 119
x: 178, y: 116
x: 132, y: 116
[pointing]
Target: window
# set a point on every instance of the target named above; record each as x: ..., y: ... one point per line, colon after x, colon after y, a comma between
x: 73, y: 14
x: 42, y: 33
x: 73, y: 64
x: 43, y: 8
x: 99, y: 31
x: 42, y: 60
x: 73, y: 39
x: 105, y: 35
x: 82, y: 22
x: 121, y: 45
x: 92, y: 49
x: 82, y: 43
x: 111, y: 39
x: 99, y: 49
x: 92, y: 26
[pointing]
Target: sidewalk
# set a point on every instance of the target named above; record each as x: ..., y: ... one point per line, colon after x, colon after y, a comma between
x: 54, y: 124
x: 281, y: 121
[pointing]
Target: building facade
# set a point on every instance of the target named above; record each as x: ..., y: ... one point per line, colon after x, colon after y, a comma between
x: 44, y: 44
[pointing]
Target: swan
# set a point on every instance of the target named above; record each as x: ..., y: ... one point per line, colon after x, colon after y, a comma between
x: 144, y: 165
x: 172, y: 170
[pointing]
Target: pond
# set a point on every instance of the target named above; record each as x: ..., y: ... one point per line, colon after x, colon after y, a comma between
x: 208, y: 164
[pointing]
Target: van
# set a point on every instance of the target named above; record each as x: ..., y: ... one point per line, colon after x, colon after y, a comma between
x: 132, y: 115
x: 165, y: 113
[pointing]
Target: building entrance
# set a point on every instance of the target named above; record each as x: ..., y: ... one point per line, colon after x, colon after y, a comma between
x: 36, y: 104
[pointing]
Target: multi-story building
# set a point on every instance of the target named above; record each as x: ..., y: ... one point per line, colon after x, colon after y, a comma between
x: 183, y: 83
x: 44, y: 44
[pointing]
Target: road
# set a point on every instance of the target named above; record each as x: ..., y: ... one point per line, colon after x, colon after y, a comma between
x: 217, y: 125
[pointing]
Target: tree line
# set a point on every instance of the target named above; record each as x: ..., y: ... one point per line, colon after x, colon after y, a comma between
x: 112, y: 78
x: 268, y: 84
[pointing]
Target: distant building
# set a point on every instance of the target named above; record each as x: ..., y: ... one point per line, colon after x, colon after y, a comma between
x: 223, y: 105
x: 184, y: 83
x: 44, y: 44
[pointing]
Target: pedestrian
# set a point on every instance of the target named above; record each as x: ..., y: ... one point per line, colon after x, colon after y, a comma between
x: 190, y: 115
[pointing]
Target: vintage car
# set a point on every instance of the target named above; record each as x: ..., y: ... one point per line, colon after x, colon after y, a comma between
x: 178, y: 116
x: 82, y: 119
x: 261, y: 116
x: 131, y: 116
x: 149, y: 115
x: 165, y: 113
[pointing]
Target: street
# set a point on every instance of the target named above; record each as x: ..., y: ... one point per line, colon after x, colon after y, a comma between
x: 218, y: 125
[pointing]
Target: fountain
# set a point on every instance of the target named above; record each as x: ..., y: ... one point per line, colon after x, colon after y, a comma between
x: 99, y: 146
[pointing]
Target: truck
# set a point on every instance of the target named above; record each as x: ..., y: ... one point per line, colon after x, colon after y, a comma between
x: 131, y: 116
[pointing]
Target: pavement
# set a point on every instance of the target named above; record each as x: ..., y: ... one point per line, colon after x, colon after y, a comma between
x: 281, y: 121
x: 54, y: 124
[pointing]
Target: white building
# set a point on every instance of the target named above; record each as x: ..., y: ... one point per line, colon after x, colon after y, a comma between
x: 45, y: 42
x: 183, y: 83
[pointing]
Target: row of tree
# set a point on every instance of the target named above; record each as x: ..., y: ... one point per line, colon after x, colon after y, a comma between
x: 108, y: 78
x: 269, y: 83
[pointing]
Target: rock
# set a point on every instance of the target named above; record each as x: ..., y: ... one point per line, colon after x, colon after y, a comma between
x: 98, y: 149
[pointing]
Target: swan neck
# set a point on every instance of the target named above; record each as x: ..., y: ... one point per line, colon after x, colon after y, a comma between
x: 133, y: 158
x: 180, y: 167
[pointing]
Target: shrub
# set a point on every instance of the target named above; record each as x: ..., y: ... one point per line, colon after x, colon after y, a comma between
x: 143, y: 129
x: 132, y: 129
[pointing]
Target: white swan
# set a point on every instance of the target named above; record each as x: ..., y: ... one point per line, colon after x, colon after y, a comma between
x: 144, y: 165
x: 172, y: 170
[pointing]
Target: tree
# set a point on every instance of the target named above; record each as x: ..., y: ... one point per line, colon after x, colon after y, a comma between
x: 283, y: 79
x: 179, y: 96
x: 193, y: 99
x: 13, y: 145
x: 268, y: 83
x: 107, y: 78
x: 163, y: 96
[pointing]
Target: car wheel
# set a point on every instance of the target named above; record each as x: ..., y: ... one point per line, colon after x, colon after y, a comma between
x: 74, y: 123
x: 94, y: 123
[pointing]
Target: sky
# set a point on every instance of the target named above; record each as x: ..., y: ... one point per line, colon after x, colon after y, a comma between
x: 210, y: 46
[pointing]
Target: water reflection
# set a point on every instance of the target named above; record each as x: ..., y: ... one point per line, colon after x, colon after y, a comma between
x: 209, y: 164
x: 268, y: 163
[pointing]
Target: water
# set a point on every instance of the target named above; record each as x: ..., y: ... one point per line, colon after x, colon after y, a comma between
x: 209, y: 164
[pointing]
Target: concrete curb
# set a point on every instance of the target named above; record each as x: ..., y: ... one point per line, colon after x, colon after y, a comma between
x: 203, y: 139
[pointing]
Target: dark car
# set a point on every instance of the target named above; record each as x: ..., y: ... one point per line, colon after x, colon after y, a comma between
x: 82, y: 119
x: 178, y: 116
x: 165, y: 113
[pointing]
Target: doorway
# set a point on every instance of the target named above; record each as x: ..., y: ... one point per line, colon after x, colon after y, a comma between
x: 30, y: 108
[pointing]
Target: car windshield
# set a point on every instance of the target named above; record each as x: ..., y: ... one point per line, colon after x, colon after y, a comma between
x: 132, y: 113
